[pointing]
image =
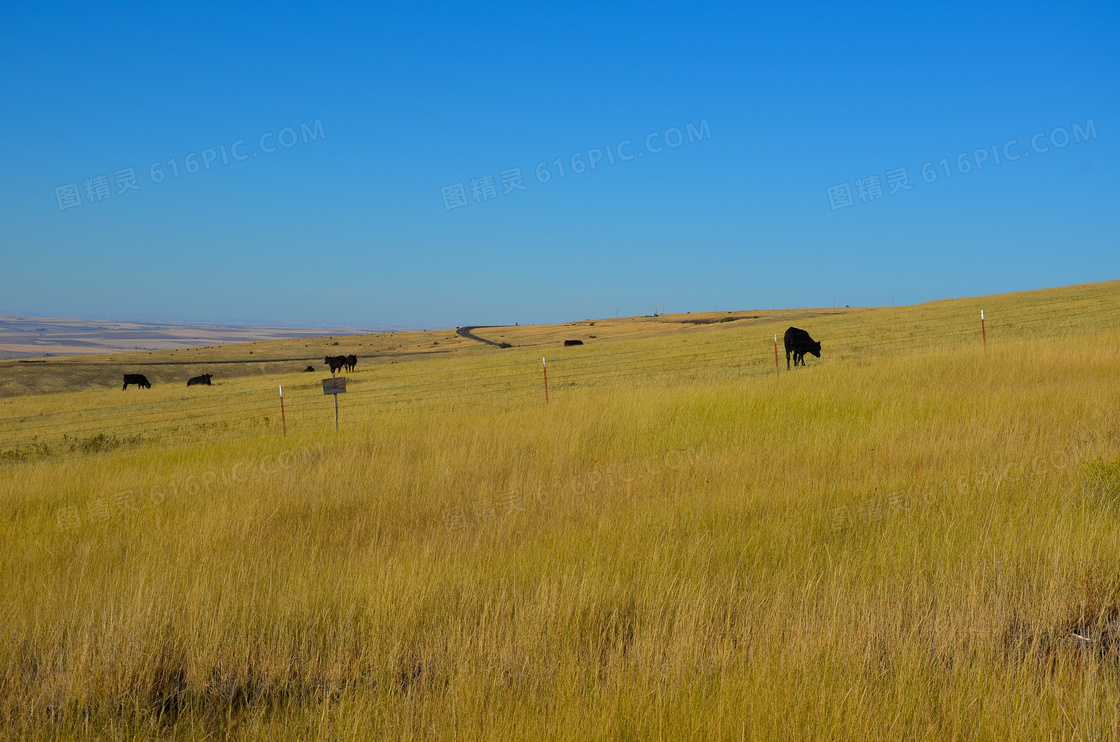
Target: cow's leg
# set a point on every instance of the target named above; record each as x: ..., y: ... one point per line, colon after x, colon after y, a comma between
x: 787, y: 361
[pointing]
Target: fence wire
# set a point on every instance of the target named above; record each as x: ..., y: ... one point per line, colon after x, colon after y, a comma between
x: 730, y: 355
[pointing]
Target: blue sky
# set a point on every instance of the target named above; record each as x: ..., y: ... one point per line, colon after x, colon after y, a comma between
x: 384, y: 108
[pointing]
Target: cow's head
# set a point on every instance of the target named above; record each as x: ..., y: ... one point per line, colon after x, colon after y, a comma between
x: 815, y: 349
x: 208, y: 376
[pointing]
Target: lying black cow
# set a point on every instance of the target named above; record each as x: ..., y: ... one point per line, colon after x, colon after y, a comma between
x: 138, y: 379
x: 351, y: 362
x: 335, y: 362
x: 569, y: 343
x: 204, y: 379
x: 799, y: 343
x: 309, y: 370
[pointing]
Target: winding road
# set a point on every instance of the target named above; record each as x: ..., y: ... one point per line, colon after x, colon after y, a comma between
x: 468, y: 333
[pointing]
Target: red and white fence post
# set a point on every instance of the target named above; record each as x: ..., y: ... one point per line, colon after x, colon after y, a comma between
x: 283, y: 420
x: 544, y: 365
x: 983, y: 330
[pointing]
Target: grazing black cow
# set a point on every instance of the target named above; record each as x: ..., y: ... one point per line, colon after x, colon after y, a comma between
x: 138, y: 379
x: 204, y: 379
x: 351, y: 362
x: 335, y: 362
x: 799, y: 343
x: 570, y: 343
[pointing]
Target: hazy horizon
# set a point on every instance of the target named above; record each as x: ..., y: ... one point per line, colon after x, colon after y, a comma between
x: 356, y: 328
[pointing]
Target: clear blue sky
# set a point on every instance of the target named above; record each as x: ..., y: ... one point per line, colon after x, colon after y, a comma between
x: 351, y: 223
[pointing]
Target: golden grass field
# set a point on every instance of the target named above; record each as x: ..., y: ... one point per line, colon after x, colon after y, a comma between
x: 914, y: 537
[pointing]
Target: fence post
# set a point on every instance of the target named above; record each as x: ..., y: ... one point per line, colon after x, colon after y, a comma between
x: 283, y: 420
x: 777, y: 366
x: 544, y: 366
x: 983, y: 330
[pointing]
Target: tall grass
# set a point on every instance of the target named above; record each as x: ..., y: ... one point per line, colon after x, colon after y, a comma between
x: 908, y: 545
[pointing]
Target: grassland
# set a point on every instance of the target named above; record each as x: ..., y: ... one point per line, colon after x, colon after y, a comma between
x: 914, y: 537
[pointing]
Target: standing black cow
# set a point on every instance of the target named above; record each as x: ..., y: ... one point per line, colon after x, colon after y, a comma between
x: 204, y: 379
x: 335, y: 362
x: 351, y: 362
x: 799, y: 343
x: 138, y: 379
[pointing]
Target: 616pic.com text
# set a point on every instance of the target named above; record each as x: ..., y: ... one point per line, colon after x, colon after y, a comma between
x: 97, y: 188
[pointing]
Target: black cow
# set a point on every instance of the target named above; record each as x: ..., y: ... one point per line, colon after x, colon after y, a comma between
x: 309, y: 369
x: 351, y: 362
x: 138, y: 379
x: 799, y: 343
x: 204, y: 379
x: 570, y: 343
x: 335, y: 362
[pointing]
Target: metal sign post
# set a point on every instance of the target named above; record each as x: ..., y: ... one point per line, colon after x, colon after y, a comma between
x: 335, y: 385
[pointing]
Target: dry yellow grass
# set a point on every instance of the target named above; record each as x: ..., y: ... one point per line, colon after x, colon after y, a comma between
x: 914, y: 537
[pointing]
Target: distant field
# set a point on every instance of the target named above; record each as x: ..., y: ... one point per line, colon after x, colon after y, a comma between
x: 37, y: 337
x: 915, y: 536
